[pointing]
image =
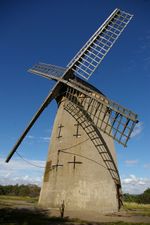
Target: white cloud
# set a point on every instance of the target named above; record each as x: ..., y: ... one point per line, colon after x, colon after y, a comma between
x: 135, y: 185
x: 46, y: 139
x: 30, y: 137
x: 19, y: 172
x: 131, y: 162
x: 38, y: 139
x: 137, y: 130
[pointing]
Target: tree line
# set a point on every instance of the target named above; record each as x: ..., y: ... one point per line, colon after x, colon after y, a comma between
x: 30, y: 190
x: 143, y: 198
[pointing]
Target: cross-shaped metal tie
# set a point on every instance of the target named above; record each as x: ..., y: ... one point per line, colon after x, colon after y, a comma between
x: 56, y: 166
x: 77, y: 130
x: 75, y: 162
x: 59, y: 131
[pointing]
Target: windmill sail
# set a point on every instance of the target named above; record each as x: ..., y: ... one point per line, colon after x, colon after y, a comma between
x: 31, y: 123
x: 51, y: 70
x: 93, y: 52
x: 108, y: 116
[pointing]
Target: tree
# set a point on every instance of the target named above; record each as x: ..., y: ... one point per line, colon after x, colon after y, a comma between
x: 20, y: 190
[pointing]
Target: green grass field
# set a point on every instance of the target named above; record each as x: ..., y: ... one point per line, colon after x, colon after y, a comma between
x: 141, y: 209
x: 18, y: 198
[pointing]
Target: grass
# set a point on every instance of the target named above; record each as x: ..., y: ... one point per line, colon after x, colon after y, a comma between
x: 18, y: 198
x: 13, y: 201
x: 141, y: 209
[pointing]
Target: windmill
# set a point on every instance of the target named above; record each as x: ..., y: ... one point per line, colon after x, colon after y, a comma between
x: 81, y: 169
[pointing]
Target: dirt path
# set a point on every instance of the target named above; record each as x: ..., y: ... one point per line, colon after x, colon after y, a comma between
x: 22, y: 212
x: 125, y: 216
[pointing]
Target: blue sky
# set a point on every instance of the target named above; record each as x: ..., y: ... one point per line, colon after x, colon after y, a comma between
x: 53, y: 32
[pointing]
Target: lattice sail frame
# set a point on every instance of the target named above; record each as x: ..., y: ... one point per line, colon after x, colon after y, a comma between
x: 49, y: 69
x: 96, y: 48
x: 93, y: 52
x: 108, y: 116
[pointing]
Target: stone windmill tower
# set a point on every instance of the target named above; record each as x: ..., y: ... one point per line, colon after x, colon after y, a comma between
x: 81, y: 169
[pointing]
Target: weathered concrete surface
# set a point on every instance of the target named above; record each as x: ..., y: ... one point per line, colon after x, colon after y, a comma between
x: 83, y: 187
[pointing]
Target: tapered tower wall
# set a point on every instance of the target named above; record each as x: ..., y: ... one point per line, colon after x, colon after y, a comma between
x: 75, y: 172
